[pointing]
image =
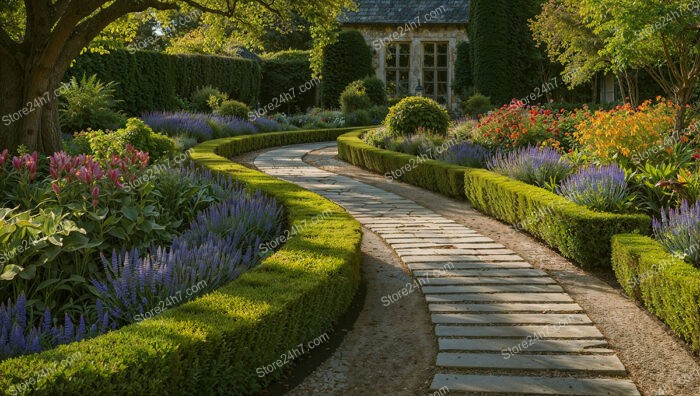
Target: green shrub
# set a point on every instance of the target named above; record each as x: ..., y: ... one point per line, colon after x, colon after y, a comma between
x: 346, y: 60
x: 378, y: 114
x: 354, y: 98
x: 104, y: 144
x: 233, y: 108
x: 358, y: 118
x: 432, y: 175
x: 668, y: 286
x: 415, y: 112
x: 287, y: 70
x: 477, y: 104
x: 576, y: 232
x: 206, y: 98
x: 154, y: 81
x: 376, y: 90
x: 463, y: 70
x: 88, y: 103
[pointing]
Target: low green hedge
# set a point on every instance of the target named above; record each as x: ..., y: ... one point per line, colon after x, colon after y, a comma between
x: 432, y: 175
x: 577, y: 232
x: 667, y: 286
x: 214, y: 344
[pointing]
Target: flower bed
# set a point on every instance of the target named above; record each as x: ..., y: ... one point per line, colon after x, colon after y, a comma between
x: 668, y: 286
x: 578, y: 233
x: 215, y: 342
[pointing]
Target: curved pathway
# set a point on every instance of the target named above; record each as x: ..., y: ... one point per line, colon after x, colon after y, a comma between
x: 502, y: 326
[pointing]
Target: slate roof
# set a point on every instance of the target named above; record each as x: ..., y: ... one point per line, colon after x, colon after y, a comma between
x: 398, y: 12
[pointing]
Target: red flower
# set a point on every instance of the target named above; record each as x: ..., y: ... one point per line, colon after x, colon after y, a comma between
x: 696, y: 156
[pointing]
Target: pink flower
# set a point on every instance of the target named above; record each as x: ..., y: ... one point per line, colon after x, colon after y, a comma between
x: 114, y: 176
x: 56, y: 188
x: 17, y: 163
x: 30, y: 161
x: 3, y: 157
x: 95, y: 195
x: 58, y: 163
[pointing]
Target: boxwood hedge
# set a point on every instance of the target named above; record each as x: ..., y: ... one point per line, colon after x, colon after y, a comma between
x: 669, y: 287
x: 214, y: 344
x: 577, y: 232
x: 423, y: 172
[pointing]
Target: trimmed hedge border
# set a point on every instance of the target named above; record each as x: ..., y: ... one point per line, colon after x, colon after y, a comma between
x: 432, y: 175
x: 575, y: 231
x: 669, y: 287
x: 214, y: 344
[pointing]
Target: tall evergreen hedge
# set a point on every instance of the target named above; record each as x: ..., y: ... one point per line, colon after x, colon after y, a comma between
x: 285, y: 71
x: 156, y: 81
x: 505, y: 61
x: 463, y: 70
x: 345, y: 61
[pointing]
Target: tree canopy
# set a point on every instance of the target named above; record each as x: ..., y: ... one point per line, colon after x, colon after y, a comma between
x: 40, y: 38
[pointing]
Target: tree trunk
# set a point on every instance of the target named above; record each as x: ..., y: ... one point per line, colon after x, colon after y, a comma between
x: 29, y: 109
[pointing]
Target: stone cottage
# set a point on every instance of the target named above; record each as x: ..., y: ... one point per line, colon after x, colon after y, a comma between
x: 414, y: 43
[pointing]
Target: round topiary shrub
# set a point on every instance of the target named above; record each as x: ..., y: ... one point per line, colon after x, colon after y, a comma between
x: 233, y: 108
x: 354, y: 98
x: 375, y: 90
x: 477, y: 104
x: 416, y: 112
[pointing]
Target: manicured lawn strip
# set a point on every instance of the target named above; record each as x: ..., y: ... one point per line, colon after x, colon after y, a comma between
x: 214, y: 344
x: 432, y: 175
x: 669, y: 287
x: 577, y: 232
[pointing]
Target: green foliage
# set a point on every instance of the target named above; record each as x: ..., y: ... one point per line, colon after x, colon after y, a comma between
x: 505, y: 62
x: 477, y: 104
x: 287, y: 70
x: 233, y: 108
x: 88, y: 103
x: 203, y: 346
x: 668, y: 286
x: 105, y: 144
x: 463, y: 70
x: 576, y: 232
x: 376, y: 90
x: 207, y: 98
x: 432, y: 175
x: 150, y: 81
x: 345, y: 61
x: 415, y: 112
x: 354, y: 98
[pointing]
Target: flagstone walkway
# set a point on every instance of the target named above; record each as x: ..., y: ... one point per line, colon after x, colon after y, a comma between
x: 502, y: 326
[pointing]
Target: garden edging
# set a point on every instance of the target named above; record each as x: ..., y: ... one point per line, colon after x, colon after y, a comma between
x: 576, y: 232
x: 666, y: 285
x: 214, y: 344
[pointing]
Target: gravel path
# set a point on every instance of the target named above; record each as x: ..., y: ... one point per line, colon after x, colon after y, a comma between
x: 502, y: 325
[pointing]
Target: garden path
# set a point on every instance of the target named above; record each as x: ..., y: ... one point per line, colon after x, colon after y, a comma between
x: 502, y: 326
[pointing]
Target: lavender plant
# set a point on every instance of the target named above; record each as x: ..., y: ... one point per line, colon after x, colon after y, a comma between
x: 467, y: 154
x: 679, y: 231
x: 220, y: 244
x: 207, y: 126
x: 540, y: 166
x: 18, y: 336
x: 602, y: 188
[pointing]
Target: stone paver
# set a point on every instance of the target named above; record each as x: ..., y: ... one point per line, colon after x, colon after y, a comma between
x: 492, y: 310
